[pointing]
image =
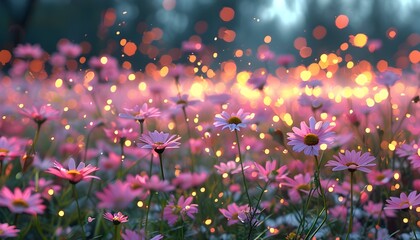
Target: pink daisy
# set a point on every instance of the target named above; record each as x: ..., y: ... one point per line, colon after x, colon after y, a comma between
x: 352, y: 161
x: 39, y: 116
x: 9, y: 148
x: 309, y: 138
x: 377, y: 178
x: 158, y: 141
x: 227, y: 168
x: 116, y: 218
x: 116, y: 195
x: 7, y: 230
x: 140, y: 113
x: 21, y: 202
x: 183, y: 208
x: 404, y: 201
x: 299, y: 183
x: 155, y: 184
x: 188, y: 180
x: 73, y: 174
x: 270, y: 172
x: 233, y: 211
x: 234, y: 121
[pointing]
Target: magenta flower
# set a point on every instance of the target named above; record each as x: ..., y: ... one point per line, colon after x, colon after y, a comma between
x: 270, y: 172
x: 404, y: 201
x: 116, y: 195
x: 233, y: 212
x: 387, y: 78
x: 183, y: 208
x: 377, y: 178
x: 155, y: 184
x: 9, y: 148
x: 119, y: 136
x: 73, y: 174
x: 309, y: 138
x: 158, y: 141
x: 21, y: 202
x: 7, y: 230
x: 352, y: 161
x: 299, y: 183
x: 116, y: 218
x: 188, y: 180
x: 28, y: 51
x: 227, y: 168
x: 182, y: 101
x: 39, y: 116
x: 234, y: 121
x: 69, y: 49
x: 140, y: 113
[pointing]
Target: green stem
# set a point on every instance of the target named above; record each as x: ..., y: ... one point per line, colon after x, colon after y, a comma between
x: 251, y: 224
x: 324, y: 200
x: 38, y: 228
x: 147, y: 213
x: 117, y: 235
x: 350, y: 229
x: 76, y: 198
x: 189, y: 137
x: 161, y: 166
x: 120, y: 172
x: 242, y: 168
x: 141, y: 122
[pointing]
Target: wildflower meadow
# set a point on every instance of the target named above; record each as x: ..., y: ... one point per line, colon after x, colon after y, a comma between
x: 292, y: 146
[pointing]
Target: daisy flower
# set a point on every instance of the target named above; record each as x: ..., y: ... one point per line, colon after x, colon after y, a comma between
x: 21, y: 202
x: 388, y: 78
x: 309, y: 138
x: 232, y: 213
x: 40, y: 115
x: 352, y: 161
x: 270, y: 172
x: 183, y: 208
x: 9, y: 148
x: 158, y: 141
x: 140, y: 113
x: 234, y: 121
x: 73, y: 174
x: 118, y: 195
x: 7, y: 230
x: 404, y: 201
x: 116, y: 218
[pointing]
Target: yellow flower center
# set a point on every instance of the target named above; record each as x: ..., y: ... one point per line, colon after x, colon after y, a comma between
x: 73, y: 172
x: 234, y: 120
x: 3, y: 152
x: 380, y: 177
x: 304, y: 187
x: 181, y: 102
x: 311, y: 139
x: 20, y: 203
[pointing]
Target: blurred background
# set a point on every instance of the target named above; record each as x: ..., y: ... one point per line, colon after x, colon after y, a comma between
x: 160, y: 27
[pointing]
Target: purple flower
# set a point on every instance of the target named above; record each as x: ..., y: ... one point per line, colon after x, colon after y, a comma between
x: 140, y: 113
x: 234, y: 121
x: 158, y: 141
x: 388, y: 78
x: 116, y: 218
x: 352, y: 161
x: 309, y: 138
x: 183, y: 208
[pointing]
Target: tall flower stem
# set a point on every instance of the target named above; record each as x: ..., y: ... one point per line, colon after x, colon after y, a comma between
x: 151, y: 165
x: 242, y: 168
x: 253, y: 224
x: 320, y: 191
x: 122, y: 142
x: 79, y: 214
x: 412, y: 225
x: 117, y: 235
x: 351, y: 205
x: 147, y: 213
x: 189, y: 137
x: 161, y: 165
